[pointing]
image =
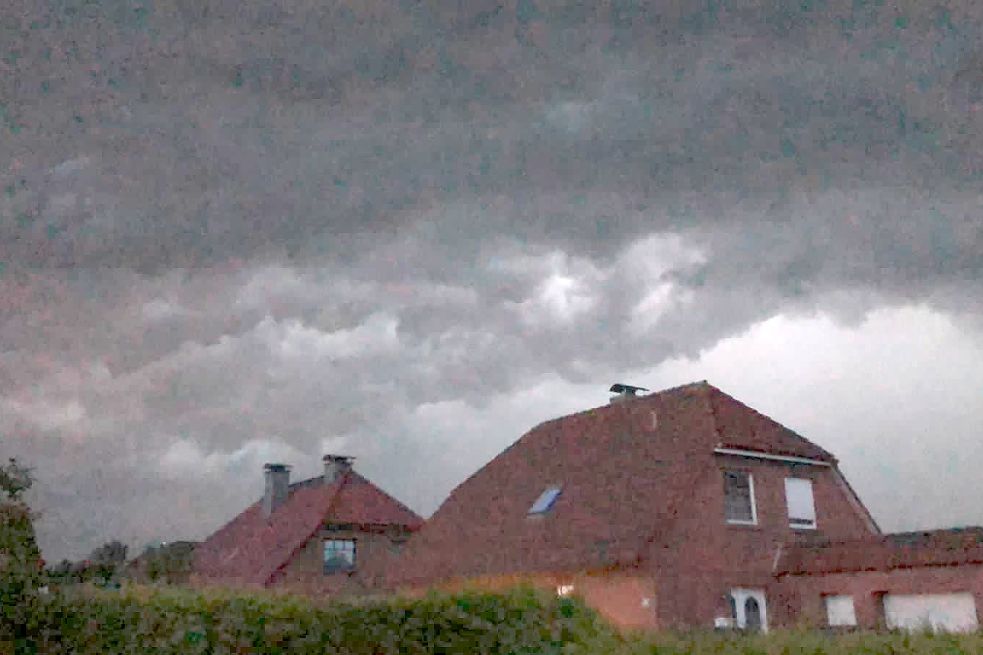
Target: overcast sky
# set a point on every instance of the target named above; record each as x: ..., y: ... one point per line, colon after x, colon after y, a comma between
x: 233, y: 233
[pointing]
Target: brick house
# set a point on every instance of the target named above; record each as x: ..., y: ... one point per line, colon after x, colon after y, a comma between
x: 678, y: 508
x: 314, y: 536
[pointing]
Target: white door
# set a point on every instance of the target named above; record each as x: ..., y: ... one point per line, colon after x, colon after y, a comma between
x: 948, y: 612
x: 750, y: 612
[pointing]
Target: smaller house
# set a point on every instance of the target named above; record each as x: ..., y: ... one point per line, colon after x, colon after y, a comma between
x: 314, y: 536
x: 910, y: 580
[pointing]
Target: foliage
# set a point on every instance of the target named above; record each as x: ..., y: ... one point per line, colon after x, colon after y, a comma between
x: 14, y: 480
x: 21, y: 574
x: 169, y: 563
x: 139, y: 620
x: 112, y: 552
x: 163, y: 621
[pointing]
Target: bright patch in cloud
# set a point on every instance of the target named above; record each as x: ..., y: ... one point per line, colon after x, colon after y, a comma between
x: 185, y: 458
x: 46, y: 414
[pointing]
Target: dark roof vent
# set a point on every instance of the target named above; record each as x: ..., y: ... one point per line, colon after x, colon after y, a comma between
x: 624, y: 391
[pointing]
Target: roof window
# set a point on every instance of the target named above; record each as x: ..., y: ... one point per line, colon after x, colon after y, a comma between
x: 545, y: 501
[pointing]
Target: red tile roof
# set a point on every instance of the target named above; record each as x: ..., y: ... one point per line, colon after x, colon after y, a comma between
x: 743, y: 427
x: 884, y: 552
x: 251, y: 548
x: 624, y: 469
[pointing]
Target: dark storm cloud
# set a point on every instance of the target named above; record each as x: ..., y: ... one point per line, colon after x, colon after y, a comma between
x: 172, y: 135
x: 230, y: 233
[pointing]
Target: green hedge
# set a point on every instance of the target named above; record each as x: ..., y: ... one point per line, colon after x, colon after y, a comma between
x: 170, y: 621
x: 141, y: 620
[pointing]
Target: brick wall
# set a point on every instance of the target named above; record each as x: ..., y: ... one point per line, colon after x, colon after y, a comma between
x: 304, y: 572
x: 702, y: 557
x: 804, y: 593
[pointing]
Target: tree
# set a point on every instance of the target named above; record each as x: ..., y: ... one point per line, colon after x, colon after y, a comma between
x: 110, y: 553
x: 106, y: 560
x: 21, y: 566
x: 14, y: 480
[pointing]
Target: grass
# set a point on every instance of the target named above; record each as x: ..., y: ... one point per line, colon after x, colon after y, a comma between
x: 787, y: 642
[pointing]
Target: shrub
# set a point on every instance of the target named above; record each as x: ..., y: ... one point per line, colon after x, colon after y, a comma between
x: 20, y: 576
x: 180, y: 621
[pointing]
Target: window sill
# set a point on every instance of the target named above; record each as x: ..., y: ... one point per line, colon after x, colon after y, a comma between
x: 804, y: 527
x: 743, y: 526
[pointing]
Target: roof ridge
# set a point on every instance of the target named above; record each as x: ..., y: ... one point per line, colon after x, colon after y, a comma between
x: 566, y: 417
x: 609, y: 405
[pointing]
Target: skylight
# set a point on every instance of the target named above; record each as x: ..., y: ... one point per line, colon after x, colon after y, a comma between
x: 545, y: 501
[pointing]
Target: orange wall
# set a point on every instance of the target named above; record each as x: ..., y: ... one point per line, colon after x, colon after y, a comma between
x: 616, y: 595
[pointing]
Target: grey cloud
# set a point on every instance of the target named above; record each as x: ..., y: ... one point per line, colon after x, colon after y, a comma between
x: 219, y: 157
x: 226, y: 224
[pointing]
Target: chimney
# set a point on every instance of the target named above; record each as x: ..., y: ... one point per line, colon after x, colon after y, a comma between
x: 624, y: 392
x: 277, y: 487
x: 335, y: 466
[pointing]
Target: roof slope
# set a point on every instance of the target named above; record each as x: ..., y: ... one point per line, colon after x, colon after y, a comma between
x: 251, y: 548
x: 743, y: 427
x: 885, y: 552
x: 624, y: 469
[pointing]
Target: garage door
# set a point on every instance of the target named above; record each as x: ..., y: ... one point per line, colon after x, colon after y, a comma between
x: 949, y: 612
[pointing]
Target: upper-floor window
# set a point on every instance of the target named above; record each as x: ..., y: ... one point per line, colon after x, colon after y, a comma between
x: 339, y: 555
x: 801, y: 507
x: 739, y: 498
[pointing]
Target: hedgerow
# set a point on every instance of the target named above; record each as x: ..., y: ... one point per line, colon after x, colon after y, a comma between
x: 523, y: 621
x: 169, y: 621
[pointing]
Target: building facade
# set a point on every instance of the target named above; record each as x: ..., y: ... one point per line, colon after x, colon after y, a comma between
x: 683, y: 508
x: 317, y: 536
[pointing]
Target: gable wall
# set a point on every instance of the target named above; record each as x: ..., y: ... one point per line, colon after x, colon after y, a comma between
x: 702, y: 557
x: 305, y: 571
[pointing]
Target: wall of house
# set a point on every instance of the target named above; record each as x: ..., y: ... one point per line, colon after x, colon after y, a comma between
x: 304, y: 573
x: 703, y: 557
x: 802, y: 595
x: 624, y: 598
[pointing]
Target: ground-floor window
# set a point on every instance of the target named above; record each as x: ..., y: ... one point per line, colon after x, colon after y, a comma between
x: 840, y: 611
x: 949, y: 612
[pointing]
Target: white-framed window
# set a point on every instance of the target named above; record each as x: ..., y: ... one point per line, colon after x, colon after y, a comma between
x: 739, y: 506
x: 801, y: 505
x: 840, y: 611
x: 339, y: 555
